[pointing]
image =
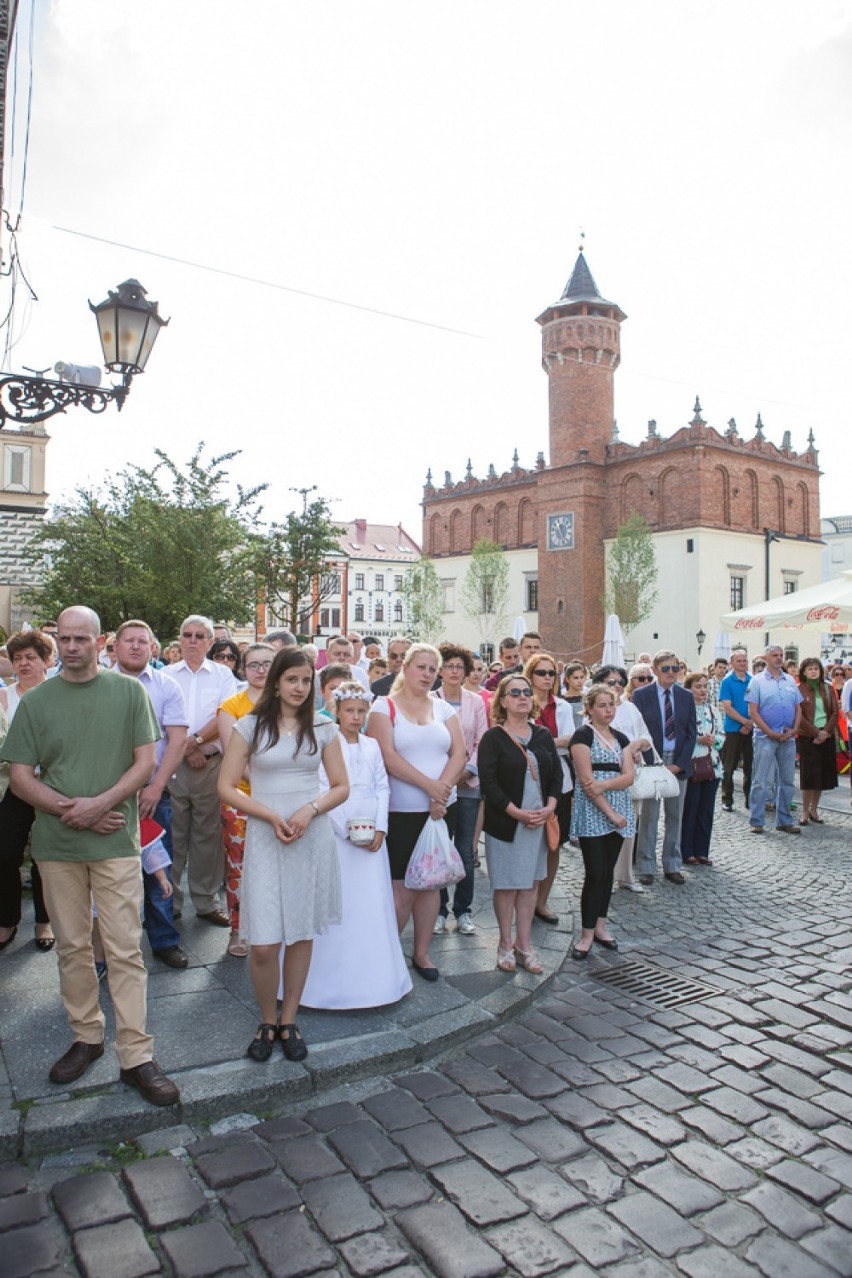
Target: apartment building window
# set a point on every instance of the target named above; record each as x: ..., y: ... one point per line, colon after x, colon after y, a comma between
x: 532, y: 594
x: 379, y: 612
x: 359, y: 612
x: 359, y: 581
x: 737, y: 593
x: 397, y: 581
x: 380, y: 581
x: 790, y: 587
x: 397, y: 611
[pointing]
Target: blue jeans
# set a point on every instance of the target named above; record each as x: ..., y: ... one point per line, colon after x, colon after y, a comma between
x: 767, y: 755
x: 158, y: 914
x: 467, y: 810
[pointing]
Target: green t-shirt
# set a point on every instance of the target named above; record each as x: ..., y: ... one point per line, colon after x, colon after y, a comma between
x: 82, y: 737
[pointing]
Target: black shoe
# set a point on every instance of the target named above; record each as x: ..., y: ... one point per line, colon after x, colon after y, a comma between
x: 10, y: 938
x: 609, y: 944
x: 260, y: 1047
x: 647, y: 879
x: 579, y: 955
x: 295, y: 1047
x: 428, y: 973
x: 675, y: 877
x: 727, y: 807
x: 75, y: 1062
x: 173, y: 956
x: 150, y: 1081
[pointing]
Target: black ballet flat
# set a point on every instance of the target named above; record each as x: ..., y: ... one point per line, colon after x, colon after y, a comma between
x: 579, y: 955
x: 428, y: 973
x: 609, y: 944
x: 9, y: 939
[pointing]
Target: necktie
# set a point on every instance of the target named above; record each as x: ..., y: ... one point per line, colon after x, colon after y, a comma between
x: 669, y: 725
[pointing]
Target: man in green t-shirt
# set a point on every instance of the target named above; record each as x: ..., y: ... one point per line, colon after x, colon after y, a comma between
x: 81, y: 746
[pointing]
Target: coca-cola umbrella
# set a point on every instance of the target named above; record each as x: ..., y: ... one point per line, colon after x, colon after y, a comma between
x: 826, y: 609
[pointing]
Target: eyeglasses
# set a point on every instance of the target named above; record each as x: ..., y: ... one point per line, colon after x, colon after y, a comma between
x: 545, y: 674
x: 188, y: 634
x: 615, y: 683
x: 110, y: 647
x: 643, y: 679
x: 454, y: 668
x: 259, y: 665
x: 668, y: 669
x: 519, y: 692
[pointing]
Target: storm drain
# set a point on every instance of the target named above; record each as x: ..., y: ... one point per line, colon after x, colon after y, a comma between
x: 654, y: 985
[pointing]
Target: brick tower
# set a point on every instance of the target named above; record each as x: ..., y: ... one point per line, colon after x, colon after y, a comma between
x: 580, y: 353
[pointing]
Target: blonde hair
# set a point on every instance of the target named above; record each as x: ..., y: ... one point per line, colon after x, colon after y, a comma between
x: 592, y: 694
x: 414, y: 651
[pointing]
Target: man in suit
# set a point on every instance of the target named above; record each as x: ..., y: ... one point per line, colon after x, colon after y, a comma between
x: 669, y: 711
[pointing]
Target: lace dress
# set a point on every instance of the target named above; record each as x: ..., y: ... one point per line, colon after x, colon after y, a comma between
x: 290, y: 891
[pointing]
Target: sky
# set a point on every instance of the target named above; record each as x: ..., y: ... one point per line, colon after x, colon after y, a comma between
x: 353, y: 213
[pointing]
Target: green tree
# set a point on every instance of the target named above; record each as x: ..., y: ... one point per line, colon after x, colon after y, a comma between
x: 485, y: 592
x: 424, y: 602
x: 152, y: 543
x: 631, y: 590
x: 295, y: 561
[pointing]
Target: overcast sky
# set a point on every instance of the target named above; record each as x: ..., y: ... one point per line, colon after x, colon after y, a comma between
x: 434, y: 162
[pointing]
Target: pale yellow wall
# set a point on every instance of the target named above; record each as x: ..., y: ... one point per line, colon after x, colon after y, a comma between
x: 694, y: 589
x: 458, y: 626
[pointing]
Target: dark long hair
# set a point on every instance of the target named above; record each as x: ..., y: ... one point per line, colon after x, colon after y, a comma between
x: 267, y: 709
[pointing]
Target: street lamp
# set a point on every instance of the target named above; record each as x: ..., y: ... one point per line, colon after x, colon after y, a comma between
x: 128, y: 325
x: 699, y: 639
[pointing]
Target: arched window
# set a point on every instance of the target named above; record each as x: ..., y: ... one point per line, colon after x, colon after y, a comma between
x: 526, y: 522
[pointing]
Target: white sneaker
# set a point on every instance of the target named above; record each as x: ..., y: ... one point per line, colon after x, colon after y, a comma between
x: 631, y: 887
x: 440, y: 925
x: 465, y: 924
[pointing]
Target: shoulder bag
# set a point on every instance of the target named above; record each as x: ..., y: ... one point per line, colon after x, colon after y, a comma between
x: 653, y: 781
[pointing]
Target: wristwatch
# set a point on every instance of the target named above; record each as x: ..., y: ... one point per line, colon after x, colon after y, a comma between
x: 199, y: 740
x: 315, y: 808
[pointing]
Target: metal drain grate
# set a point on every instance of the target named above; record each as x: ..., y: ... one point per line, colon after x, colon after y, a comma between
x: 654, y: 985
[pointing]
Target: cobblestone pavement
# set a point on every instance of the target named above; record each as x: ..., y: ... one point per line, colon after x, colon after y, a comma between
x: 598, y: 1132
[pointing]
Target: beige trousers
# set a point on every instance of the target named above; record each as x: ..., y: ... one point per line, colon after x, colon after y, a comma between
x: 116, y: 885
x: 197, y: 835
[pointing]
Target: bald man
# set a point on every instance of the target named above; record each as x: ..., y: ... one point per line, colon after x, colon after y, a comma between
x: 81, y: 746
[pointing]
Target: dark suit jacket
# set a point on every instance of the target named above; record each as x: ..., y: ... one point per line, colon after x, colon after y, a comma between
x: 646, y: 701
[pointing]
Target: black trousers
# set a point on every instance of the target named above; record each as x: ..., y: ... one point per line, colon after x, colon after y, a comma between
x: 737, y: 746
x: 16, y: 819
x: 599, y: 858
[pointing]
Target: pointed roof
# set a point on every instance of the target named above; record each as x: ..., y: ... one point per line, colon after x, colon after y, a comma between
x: 581, y: 287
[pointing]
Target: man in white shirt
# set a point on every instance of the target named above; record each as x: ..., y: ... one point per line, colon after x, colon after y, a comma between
x: 196, y: 820
x: 340, y: 651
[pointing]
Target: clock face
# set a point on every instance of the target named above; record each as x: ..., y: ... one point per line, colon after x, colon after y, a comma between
x: 560, y: 531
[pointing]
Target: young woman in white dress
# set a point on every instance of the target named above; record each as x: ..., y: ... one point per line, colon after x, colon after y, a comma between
x: 291, y: 879
x: 360, y: 963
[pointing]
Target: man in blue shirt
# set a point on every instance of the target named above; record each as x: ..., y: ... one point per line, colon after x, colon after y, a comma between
x: 738, y: 728
x: 775, y: 708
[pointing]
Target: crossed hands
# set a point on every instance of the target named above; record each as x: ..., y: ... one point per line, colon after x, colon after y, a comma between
x: 88, y: 814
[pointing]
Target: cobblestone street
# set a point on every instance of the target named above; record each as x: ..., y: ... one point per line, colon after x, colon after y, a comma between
x: 596, y: 1132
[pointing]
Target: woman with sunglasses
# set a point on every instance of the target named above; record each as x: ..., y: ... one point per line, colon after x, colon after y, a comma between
x: 226, y: 652
x: 603, y: 812
x: 629, y: 721
x: 554, y: 713
x: 520, y: 775
x: 258, y: 659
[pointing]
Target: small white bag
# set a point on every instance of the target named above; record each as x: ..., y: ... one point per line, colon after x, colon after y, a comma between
x: 434, y: 863
x: 653, y: 781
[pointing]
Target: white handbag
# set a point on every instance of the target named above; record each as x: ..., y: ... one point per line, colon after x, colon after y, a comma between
x: 653, y: 781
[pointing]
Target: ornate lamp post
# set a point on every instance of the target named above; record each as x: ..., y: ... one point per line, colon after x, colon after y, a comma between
x: 128, y: 325
x: 699, y: 639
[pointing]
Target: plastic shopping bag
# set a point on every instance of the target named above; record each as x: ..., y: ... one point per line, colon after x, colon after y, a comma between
x: 434, y: 863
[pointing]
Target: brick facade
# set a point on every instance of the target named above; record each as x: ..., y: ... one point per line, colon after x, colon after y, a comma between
x: 697, y: 478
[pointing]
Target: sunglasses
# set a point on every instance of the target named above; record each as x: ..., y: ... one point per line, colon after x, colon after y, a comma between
x: 615, y: 683
x: 668, y: 669
x: 545, y: 674
x: 224, y: 656
x: 643, y: 679
x: 519, y: 692
x: 189, y: 635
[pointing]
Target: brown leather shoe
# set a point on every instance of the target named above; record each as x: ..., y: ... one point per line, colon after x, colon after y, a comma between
x: 173, y: 956
x: 75, y: 1062
x: 789, y: 829
x: 150, y: 1080
x: 217, y: 917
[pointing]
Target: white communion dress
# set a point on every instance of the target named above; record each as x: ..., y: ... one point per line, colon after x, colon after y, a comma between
x: 360, y: 963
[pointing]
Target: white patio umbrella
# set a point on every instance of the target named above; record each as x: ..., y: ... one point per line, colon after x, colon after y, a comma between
x: 519, y: 629
x: 613, y: 649
x: 826, y: 608
x: 722, y: 646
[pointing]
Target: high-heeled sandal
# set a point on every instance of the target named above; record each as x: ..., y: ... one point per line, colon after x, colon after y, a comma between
x: 505, y: 960
x: 294, y: 1046
x: 260, y: 1047
x: 529, y: 961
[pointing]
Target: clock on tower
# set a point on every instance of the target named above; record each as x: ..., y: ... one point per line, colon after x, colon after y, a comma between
x: 560, y: 531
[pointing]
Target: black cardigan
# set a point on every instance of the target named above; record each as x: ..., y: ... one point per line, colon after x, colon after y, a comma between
x: 502, y: 770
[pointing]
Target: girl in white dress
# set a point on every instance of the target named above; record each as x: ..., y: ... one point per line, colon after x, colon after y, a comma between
x: 291, y: 879
x: 360, y: 963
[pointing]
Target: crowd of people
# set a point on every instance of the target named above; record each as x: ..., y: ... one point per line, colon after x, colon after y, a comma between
x: 287, y: 794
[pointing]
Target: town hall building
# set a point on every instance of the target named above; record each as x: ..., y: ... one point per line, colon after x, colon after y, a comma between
x: 734, y: 520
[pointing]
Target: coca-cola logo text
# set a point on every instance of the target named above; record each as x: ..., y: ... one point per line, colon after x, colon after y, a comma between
x: 751, y: 623
x: 828, y: 612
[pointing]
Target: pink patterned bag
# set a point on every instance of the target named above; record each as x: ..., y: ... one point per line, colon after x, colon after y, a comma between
x: 434, y: 863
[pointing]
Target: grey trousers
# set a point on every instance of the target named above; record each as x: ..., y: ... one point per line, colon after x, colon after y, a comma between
x: 197, y: 835
x: 649, y: 820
